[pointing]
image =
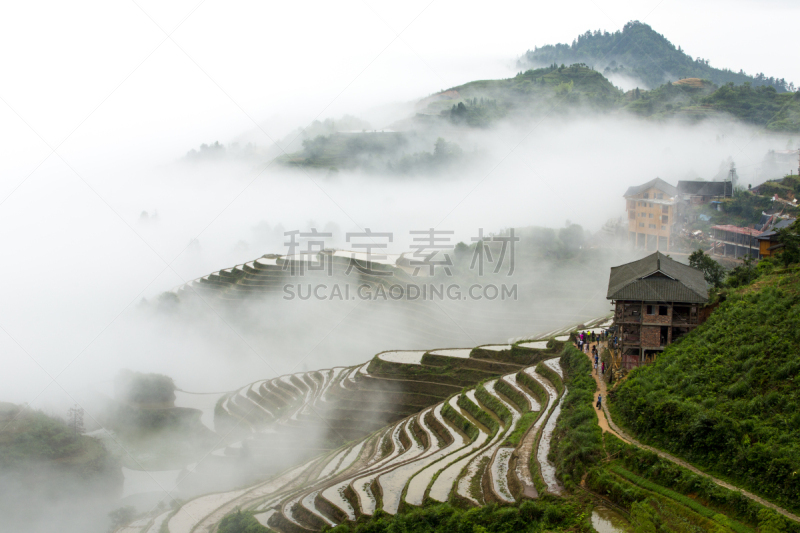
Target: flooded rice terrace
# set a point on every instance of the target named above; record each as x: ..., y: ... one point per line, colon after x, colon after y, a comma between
x: 605, y: 520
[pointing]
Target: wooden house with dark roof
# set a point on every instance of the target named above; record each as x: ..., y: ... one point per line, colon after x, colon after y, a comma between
x: 656, y: 301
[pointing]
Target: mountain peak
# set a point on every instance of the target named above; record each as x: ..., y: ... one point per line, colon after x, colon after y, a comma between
x: 639, y: 56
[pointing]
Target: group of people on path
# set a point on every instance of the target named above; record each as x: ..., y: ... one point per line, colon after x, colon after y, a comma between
x: 588, y: 342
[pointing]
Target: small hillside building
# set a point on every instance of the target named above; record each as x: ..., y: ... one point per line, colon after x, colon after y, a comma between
x: 656, y: 300
x: 652, y: 214
x: 702, y: 192
x: 768, y: 245
x: 735, y: 241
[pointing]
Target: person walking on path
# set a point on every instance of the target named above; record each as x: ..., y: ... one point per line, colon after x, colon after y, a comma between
x: 603, y: 368
x: 599, y: 401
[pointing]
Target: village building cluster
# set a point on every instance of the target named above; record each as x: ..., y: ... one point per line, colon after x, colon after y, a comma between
x: 657, y: 212
x: 656, y: 299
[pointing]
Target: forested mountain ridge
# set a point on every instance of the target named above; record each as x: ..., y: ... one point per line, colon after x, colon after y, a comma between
x: 555, y: 89
x: 534, y: 91
x: 641, y: 53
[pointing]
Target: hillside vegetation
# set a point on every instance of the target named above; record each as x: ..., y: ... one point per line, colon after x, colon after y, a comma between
x: 46, y: 464
x: 640, y: 52
x: 760, y: 106
x: 552, y: 88
x: 557, y: 79
x: 557, y: 89
x: 30, y: 436
x: 726, y: 397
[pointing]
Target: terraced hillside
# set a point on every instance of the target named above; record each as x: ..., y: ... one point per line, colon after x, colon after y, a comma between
x: 451, y: 425
x: 337, y: 405
x: 363, y: 309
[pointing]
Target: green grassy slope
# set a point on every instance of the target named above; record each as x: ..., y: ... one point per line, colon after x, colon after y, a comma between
x: 726, y: 397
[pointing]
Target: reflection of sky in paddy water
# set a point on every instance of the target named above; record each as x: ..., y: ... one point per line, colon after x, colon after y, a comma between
x: 604, y: 520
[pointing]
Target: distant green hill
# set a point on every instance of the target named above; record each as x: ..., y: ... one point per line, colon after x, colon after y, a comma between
x: 727, y: 396
x: 554, y: 89
x: 535, y: 91
x: 51, y: 477
x: 640, y: 52
x: 31, y: 436
x: 697, y: 99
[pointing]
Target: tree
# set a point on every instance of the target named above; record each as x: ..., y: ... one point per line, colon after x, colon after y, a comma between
x: 712, y: 271
x: 122, y: 516
x: 138, y: 388
x: 445, y: 150
x: 571, y: 239
x: 743, y: 274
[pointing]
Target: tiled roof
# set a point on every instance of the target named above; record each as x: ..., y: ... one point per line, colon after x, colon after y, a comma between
x: 706, y: 188
x: 774, y: 229
x: 737, y: 229
x: 657, y: 278
x: 657, y: 183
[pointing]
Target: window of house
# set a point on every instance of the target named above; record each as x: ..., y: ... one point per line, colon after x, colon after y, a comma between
x: 631, y: 214
x: 651, y: 215
x: 651, y: 204
x: 646, y: 195
x: 665, y: 219
x: 660, y: 196
x: 652, y: 226
x: 641, y: 224
x: 663, y: 228
x: 665, y: 209
x: 662, y: 310
x: 651, y: 309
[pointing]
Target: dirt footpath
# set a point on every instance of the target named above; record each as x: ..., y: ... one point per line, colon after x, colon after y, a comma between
x: 601, y: 389
x: 608, y: 425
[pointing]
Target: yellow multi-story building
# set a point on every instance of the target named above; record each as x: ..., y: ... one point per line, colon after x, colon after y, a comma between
x: 652, y: 214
